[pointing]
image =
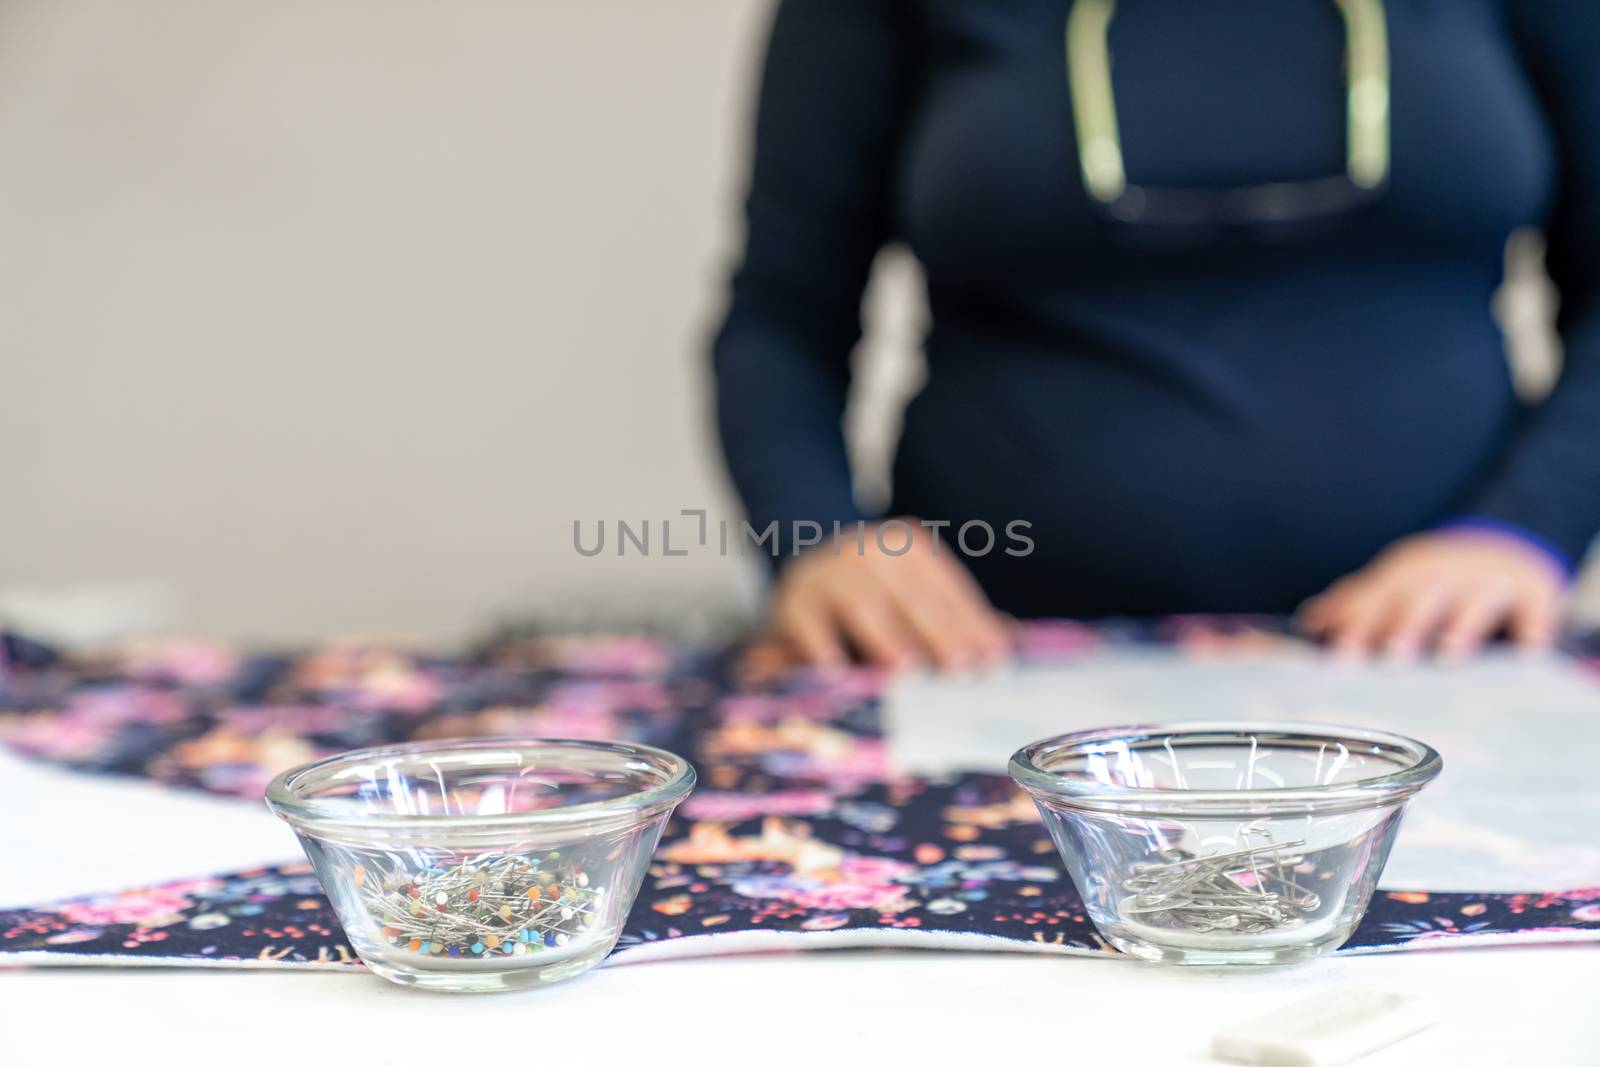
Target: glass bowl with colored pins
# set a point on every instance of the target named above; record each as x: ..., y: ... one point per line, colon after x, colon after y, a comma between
x: 1225, y: 843
x: 483, y: 865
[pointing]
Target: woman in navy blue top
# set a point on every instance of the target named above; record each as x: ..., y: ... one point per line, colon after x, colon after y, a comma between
x: 1222, y: 410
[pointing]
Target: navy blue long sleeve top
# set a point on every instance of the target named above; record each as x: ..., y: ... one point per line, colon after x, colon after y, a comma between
x: 1226, y: 423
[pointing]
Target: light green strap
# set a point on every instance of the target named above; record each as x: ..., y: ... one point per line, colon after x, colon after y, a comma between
x: 1367, y: 56
x: 1094, y: 108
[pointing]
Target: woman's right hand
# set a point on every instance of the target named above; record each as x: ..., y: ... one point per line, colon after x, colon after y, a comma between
x: 894, y: 611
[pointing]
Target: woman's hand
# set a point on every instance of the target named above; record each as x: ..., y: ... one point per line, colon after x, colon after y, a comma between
x: 892, y: 611
x: 1449, y: 591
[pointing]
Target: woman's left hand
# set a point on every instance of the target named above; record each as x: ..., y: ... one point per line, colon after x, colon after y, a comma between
x: 1449, y: 591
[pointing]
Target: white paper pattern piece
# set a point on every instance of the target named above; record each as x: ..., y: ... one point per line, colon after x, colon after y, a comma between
x: 1517, y: 805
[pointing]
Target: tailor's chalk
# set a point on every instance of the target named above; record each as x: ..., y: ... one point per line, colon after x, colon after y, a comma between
x: 1330, y: 1028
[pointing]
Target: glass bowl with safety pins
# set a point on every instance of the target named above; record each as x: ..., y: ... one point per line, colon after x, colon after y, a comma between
x: 1225, y: 843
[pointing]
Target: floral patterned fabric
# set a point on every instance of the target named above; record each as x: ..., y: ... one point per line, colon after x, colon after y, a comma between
x: 798, y: 834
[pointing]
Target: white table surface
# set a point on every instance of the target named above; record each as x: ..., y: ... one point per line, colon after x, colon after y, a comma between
x: 66, y: 833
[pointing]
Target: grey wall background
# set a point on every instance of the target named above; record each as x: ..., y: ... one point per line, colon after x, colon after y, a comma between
x: 328, y: 317
x: 331, y: 317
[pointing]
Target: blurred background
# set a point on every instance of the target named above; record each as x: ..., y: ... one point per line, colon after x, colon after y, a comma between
x: 325, y: 319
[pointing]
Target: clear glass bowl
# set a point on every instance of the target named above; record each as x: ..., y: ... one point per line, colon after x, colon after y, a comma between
x: 472, y: 866
x: 1233, y: 842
